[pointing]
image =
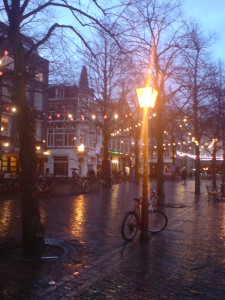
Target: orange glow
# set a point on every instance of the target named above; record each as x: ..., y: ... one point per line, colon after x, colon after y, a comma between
x: 146, y: 96
x: 80, y: 148
x: 78, y: 217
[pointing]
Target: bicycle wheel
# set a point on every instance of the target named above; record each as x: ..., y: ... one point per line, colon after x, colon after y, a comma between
x: 129, y: 226
x: 157, y: 221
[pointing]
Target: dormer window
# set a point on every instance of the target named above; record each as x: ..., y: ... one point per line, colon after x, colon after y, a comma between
x: 59, y: 92
x: 39, y: 76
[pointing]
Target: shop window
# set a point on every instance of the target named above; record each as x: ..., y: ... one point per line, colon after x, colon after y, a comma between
x: 9, y: 165
x: 13, y: 165
x: 5, y: 164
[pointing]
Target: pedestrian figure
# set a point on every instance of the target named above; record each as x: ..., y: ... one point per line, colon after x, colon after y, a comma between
x: 184, y: 175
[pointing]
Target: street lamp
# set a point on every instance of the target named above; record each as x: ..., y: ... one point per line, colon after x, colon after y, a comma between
x: 146, y: 98
x: 80, y: 149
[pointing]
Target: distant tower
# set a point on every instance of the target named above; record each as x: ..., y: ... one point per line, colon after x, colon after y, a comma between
x: 83, y: 83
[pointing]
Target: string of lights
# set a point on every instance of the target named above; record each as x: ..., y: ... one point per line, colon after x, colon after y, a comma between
x: 188, y: 141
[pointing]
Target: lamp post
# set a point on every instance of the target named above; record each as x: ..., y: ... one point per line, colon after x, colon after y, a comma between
x: 80, y: 149
x: 146, y: 98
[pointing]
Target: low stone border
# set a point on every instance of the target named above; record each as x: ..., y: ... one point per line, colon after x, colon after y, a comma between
x: 67, y: 186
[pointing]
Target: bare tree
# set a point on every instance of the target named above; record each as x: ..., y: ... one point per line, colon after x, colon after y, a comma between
x: 214, y: 127
x: 30, y: 18
x: 195, y: 81
x: 157, y: 41
x: 107, y: 73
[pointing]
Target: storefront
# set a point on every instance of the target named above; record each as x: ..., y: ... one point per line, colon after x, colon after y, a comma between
x: 9, y: 164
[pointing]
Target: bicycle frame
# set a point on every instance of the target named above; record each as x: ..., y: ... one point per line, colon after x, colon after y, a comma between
x: 153, y: 198
x: 133, y: 218
x: 137, y: 207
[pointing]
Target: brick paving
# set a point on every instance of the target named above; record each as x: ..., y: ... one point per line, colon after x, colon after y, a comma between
x: 185, y: 261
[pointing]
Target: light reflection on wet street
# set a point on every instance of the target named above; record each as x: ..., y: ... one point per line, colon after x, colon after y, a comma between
x: 184, y: 261
x: 10, y: 217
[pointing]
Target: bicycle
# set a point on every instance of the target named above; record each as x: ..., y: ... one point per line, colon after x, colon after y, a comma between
x: 81, y: 185
x: 157, y: 220
x: 43, y: 187
x: 11, y: 186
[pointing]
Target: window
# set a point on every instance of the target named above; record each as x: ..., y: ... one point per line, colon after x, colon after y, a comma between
x: 8, y: 62
x: 6, y: 94
x: 13, y: 165
x: 38, y: 100
x: 61, y: 165
x: 39, y: 76
x: 59, y: 92
x: 69, y: 137
x: 59, y: 137
x: 5, y: 125
x: 38, y: 130
x: 50, y: 138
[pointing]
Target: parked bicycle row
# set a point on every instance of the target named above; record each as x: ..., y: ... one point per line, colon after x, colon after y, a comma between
x: 11, y: 186
x: 49, y: 186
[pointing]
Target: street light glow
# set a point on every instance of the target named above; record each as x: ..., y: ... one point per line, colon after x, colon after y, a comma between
x: 80, y: 148
x: 146, y: 96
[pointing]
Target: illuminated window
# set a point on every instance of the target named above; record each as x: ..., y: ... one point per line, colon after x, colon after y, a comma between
x: 5, y: 125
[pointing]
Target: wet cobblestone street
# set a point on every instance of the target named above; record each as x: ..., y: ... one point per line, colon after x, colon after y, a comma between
x: 185, y: 261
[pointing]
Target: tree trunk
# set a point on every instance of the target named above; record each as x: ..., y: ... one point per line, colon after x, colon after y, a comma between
x: 136, y: 145
x: 160, y: 173
x: 160, y: 151
x: 197, y: 171
x: 214, y: 170
x: 32, y: 229
x: 106, y: 167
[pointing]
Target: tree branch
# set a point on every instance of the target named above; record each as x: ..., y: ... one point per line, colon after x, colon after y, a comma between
x: 48, y: 35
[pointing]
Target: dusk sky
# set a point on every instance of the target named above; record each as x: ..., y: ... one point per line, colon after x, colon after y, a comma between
x: 211, y: 14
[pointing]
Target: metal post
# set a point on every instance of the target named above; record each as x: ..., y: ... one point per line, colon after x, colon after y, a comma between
x: 146, y: 97
x: 144, y: 212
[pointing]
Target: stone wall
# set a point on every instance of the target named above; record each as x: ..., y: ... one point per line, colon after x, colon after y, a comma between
x: 67, y: 186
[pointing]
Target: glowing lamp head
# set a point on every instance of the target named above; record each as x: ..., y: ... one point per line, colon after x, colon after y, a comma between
x: 80, y: 148
x: 146, y: 96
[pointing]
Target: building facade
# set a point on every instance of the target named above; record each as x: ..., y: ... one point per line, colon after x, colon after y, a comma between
x: 36, y: 91
x: 73, y: 141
